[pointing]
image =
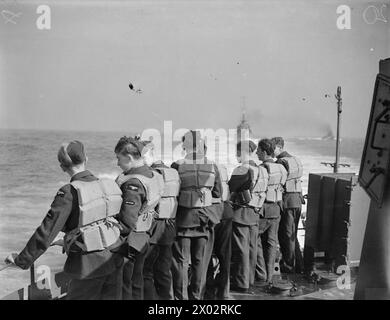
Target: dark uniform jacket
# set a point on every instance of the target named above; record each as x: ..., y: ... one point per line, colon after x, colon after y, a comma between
x: 271, y: 209
x: 64, y: 216
x: 134, y: 195
x: 290, y: 199
x: 196, y: 218
x: 163, y: 231
x: 228, y: 212
x: 238, y: 183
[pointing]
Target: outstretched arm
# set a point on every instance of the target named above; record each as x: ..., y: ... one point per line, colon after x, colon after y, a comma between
x: 51, y: 225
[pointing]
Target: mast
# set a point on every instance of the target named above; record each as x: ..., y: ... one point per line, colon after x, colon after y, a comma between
x: 243, y: 129
x: 339, y: 110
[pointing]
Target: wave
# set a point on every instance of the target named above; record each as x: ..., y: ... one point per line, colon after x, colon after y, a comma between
x: 111, y: 175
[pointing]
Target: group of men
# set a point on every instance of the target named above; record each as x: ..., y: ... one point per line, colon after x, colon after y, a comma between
x: 267, y: 201
x: 157, y: 232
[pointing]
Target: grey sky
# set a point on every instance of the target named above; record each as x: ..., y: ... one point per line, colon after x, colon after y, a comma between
x: 193, y: 61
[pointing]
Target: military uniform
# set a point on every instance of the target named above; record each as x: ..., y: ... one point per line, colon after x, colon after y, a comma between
x: 134, y: 245
x: 158, y: 262
x: 219, y: 287
x: 245, y: 230
x: 94, y: 275
x: 267, y: 243
x: 292, y: 260
x: 194, y: 237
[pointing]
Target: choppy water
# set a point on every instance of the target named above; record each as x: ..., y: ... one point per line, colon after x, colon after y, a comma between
x: 30, y: 174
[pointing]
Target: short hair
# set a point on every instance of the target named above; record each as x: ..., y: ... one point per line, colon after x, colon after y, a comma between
x: 278, y: 141
x: 129, y: 146
x: 267, y: 145
x: 246, y: 146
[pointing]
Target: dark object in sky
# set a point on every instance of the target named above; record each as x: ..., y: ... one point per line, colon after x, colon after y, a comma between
x: 303, y: 99
x: 327, y: 95
x: 131, y: 87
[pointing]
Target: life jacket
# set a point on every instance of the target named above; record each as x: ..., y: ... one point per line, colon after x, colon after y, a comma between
x: 154, y: 189
x: 255, y: 196
x: 225, y: 187
x: 259, y: 186
x: 99, y: 201
x: 294, y: 174
x: 197, y: 180
x: 167, y: 206
x: 277, y: 178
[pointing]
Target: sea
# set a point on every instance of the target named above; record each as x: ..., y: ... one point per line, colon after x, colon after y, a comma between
x: 30, y: 177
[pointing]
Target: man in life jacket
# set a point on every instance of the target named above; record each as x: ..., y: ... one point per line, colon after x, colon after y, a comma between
x: 247, y: 184
x: 158, y: 262
x: 142, y: 189
x: 196, y: 217
x: 83, y: 209
x: 292, y: 261
x: 218, y: 287
x: 269, y: 223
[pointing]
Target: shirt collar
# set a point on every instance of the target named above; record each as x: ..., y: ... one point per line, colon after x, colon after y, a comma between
x: 158, y: 164
x: 137, y: 170
x: 80, y: 175
x: 283, y: 155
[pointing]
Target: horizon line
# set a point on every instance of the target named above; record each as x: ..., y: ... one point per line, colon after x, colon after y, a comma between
x: 138, y: 131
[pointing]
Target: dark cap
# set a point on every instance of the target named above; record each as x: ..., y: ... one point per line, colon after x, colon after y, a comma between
x: 71, y: 153
x: 76, y: 152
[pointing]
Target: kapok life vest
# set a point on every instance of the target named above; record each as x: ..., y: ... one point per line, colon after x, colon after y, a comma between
x: 99, y: 201
x: 294, y: 174
x: 224, y: 181
x: 197, y: 179
x: 255, y: 196
x: 154, y: 189
x: 167, y: 206
x: 259, y: 186
x: 277, y: 178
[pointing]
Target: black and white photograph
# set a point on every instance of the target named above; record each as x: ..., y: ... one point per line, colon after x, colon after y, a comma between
x: 216, y: 151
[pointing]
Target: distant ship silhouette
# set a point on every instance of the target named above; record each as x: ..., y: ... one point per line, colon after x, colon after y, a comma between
x: 243, y: 126
x: 329, y: 135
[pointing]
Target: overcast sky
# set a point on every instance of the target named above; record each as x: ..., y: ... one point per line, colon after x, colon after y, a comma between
x: 193, y: 62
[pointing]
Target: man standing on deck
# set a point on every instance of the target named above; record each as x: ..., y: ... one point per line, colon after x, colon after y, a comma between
x: 95, y: 272
x: 158, y: 262
x: 292, y: 261
x: 196, y: 217
x: 247, y: 184
x: 269, y: 223
x: 219, y: 287
x: 142, y: 189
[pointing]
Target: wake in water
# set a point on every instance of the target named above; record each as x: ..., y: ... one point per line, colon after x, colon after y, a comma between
x: 29, y: 177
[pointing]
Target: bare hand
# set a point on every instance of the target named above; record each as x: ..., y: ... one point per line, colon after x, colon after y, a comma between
x: 59, y: 242
x: 11, y: 258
